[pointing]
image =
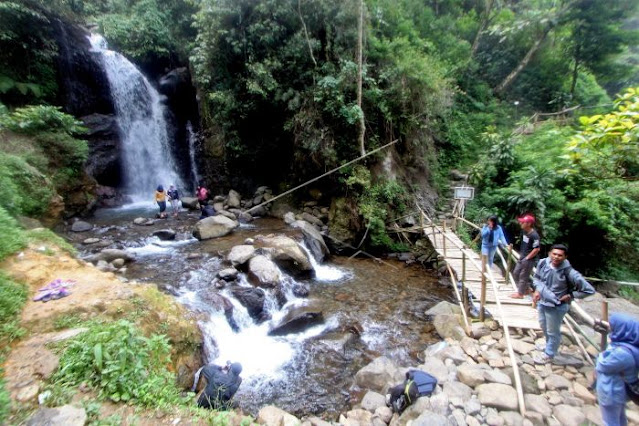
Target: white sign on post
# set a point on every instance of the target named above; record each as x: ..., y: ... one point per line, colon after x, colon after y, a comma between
x: 464, y: 193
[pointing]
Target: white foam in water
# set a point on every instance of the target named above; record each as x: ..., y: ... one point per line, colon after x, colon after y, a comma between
x: 326, y: 273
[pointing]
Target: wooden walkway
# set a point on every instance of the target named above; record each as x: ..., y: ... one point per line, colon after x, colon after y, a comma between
x: 467, y: 265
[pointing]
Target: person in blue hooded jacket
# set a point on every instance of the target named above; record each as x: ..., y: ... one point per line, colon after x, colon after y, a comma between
x: 616, y: 366
x: 221, y: 385
x: 492, y: 236
x: 556, y: 285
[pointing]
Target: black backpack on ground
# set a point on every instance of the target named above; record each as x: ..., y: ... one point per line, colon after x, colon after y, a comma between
x: 417, y: 383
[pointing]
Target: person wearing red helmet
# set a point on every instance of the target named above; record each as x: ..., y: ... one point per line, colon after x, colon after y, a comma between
x: 529, y: 254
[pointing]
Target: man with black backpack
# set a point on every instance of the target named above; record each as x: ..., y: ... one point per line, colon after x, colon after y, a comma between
x: 556, y: 284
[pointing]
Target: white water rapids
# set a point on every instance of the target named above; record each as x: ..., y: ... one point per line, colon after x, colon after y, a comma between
x: 147, y: 159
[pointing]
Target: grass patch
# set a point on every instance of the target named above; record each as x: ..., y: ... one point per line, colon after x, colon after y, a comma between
x: 12, y: 297
x: 12, y: 237
x: 44, y: 235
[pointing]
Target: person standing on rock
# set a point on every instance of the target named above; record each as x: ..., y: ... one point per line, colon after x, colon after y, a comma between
x: 174, y: 198
x: 528, y: 253
x: 492, y: 236
x: 160, y: 199
x: 202, y: 196
x: 616, y: 366
x: 556, y: 284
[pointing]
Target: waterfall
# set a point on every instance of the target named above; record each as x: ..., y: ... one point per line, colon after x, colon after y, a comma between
x: 146, y: 155
x: 195, y: 174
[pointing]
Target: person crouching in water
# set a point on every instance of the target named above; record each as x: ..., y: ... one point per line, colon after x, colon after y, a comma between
x: 160, y: 198
x: 616, y: 366
x: 221, y: 385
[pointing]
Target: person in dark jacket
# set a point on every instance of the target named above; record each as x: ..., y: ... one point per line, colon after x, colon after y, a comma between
x: 556, y: 284
x: 616, y: 366
x: 221, y: 385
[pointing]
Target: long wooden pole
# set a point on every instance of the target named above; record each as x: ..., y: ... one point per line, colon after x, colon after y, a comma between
x: 578, y: 340
x: 483, y: 288
x: 459, y: 299
x: 321, y: 176
x: 604, y: 316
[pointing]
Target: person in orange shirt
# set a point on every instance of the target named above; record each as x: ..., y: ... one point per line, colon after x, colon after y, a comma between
x: 160, y: 198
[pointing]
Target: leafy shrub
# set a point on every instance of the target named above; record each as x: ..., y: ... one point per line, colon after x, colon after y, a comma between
x: 121, y: 364
x: 41, y: 118
x: 23, y: 189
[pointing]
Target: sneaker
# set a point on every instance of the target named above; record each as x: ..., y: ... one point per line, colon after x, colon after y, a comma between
x: 542, y: 358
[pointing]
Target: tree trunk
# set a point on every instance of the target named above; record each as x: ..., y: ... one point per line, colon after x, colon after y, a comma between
x: 575, y: 74
x: 522, y: 64
x: 308, y: 40
x: 360, y: 42
x: 482, y: 27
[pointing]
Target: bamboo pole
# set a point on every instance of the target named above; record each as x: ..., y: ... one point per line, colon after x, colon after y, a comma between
x: 604, y: 316
x: 510, y: 258
x: 578, y: 340
x: 582, y: 332
x: 321, y: 176
x: 444, y: 238
x: 483, y: 288
x: 459, y: 300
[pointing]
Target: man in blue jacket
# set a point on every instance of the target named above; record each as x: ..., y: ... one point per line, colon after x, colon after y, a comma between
x: 556, y: 284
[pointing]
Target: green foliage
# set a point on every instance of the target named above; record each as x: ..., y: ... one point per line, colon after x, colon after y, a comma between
x: 44, y: 235
x: 121, y: 364
x: 37, y: 119
x: 23, y: 189
x: 12, y: 237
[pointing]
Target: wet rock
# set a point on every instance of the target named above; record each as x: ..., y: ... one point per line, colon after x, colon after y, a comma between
x: 233, y: 199
x: 301, y: 290
x: 569, y: 416
x: 142, y: 221
x: 308, y: 217
x: 372, y: 401
x: 379, y: 375
x: 214, y: 227
x: 239, y: 255
x: 384, y: 413
x: 497, y: 395
x: 448, y: 326
x: 118, y: 263
x: 298, y: 319
x: 66, y: 415
x: 289, y: 218
x: 190, y: 203
x: 165, y: 234
x: 271, y: 415
x: 263, y: 272
x: 81, y: 226
x: 219, y: 206
x: 109, y: 255
x: 90, y: 241
x: 287, y: 254
x: 244, y: 217
x: 228, y: 274
x: 252, y: 299
x: 313, y: 239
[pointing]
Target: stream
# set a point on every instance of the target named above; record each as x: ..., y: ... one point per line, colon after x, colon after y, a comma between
x: 370, y: 309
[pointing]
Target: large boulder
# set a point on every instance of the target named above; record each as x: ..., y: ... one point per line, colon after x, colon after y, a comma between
x: 190, y: 203
x: 214, y: 227
x: 223, y: 304
x: 262, y: 272
x: 313, y: 239
x: 497, y: 395
x: 298, y: 319
x: 343, y: 222
x: 165, y: 234
x: 241, y: 254
x: 81, y: 226
x: 252, y: 299
x: 287, y: 254
x: 379, y: 375
x: 104, y: 162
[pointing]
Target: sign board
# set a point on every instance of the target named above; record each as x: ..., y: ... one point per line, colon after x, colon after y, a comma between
x: 464, y: 193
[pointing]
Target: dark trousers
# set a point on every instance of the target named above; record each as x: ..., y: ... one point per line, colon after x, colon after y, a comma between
x: 521, y: 275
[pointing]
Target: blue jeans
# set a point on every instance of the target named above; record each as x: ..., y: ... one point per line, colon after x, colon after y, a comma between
x: 490, y: 254
x: 550, y: 319
x: 614, y: 415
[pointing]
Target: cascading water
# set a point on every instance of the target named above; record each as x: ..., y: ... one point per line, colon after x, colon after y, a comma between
x: 195, y: 174
x: 146, y: 153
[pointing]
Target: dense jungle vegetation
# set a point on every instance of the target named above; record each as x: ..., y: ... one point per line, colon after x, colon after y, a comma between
x: 456, y: 82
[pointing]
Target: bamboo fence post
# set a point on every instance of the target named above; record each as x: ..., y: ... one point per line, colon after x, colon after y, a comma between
x: 510, y: 258
x: 483, y: 288
x: 578, y: 340
x: 444, y: 237
x: 604, y: 316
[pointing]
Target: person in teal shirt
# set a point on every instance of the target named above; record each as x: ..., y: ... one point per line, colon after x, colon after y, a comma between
x: 492, y: 236
x: 616, y: 366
